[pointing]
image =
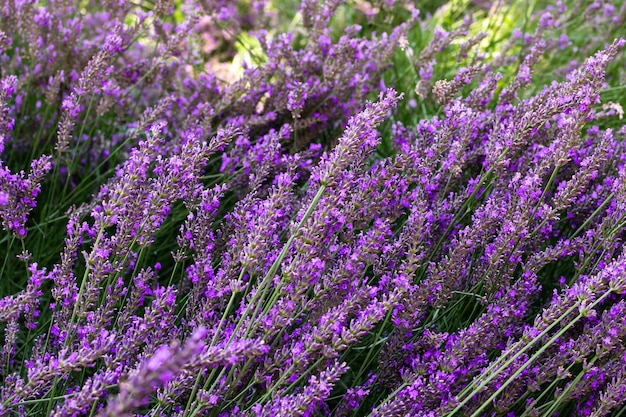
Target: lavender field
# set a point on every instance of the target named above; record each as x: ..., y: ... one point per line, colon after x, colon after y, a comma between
x: 317, y: 208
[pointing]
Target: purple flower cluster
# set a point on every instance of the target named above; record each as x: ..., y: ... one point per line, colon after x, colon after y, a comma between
x: 189, y: 244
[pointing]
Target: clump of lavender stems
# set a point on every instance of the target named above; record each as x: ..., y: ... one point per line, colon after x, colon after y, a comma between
x: 292, y: 237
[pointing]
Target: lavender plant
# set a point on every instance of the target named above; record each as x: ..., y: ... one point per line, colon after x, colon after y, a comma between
x: 183, y: 235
